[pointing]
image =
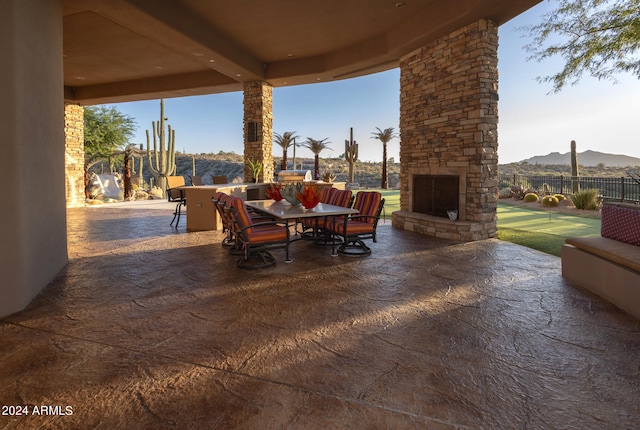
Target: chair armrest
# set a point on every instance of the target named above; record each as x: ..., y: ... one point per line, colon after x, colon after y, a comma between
x: 265, y: 223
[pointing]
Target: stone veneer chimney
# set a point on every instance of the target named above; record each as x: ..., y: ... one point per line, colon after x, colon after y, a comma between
x: 258, y: 127
x: 74, y: 154
x: 448, y: 126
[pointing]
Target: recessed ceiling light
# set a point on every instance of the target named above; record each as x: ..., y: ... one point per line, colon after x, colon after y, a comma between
x: 80, y: 78
x: 158, y: 67
x: 198, y: 54
x: 290, y: 55
x: 238, y: 74
x: 401, y: 4
x: 212, y: 61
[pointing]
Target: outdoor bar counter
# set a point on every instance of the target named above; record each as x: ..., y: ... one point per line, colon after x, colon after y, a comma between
x: 201, y: 215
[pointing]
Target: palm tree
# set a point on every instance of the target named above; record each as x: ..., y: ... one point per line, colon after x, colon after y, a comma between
x: 285, y: 141
x: 384, y: 136
x: 295, y: 145
x: 316, y: 146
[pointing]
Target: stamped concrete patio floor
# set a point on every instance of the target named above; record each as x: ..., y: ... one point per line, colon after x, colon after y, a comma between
x: 150, y: 327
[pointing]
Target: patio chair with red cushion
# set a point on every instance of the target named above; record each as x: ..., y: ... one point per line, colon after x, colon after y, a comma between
x: 314, y: 227
x: 219, y: 203
x: 355, y: 229
x: 342, y: 198
x: 256, y: 239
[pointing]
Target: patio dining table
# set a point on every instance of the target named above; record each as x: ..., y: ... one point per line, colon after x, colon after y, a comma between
x: 283, y: 210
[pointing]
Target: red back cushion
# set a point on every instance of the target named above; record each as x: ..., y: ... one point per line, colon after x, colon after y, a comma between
x: 368, y: 203
x: 326, y: 193
x: 242, y: 215
x: 341, y: 198
x: 219, y: 203
x: 621, y: 222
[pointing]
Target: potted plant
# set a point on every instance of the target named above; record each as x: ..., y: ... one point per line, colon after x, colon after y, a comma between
x: 328, y: 177
x: 255, y: 167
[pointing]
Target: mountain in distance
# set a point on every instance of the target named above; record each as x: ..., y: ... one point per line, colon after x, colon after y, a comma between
x: 586, y: 158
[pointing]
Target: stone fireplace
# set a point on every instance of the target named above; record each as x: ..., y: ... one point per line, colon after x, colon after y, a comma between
x: 448, y: 133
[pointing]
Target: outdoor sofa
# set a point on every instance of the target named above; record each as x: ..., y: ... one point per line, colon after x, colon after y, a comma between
x: 609, y: 265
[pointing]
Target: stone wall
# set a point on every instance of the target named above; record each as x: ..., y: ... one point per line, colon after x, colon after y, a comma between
x: 258, y: 121
x: 448, y: 126
x: 74, y: 154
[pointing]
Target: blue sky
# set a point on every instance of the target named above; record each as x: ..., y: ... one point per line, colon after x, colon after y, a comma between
x: 598, y: 115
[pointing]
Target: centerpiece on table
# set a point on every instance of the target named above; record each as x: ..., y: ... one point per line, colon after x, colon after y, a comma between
x: 273, y: 192
x: 290, y: 193
x: 309, y: 196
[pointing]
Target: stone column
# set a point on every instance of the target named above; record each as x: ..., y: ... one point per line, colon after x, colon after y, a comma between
x: 258, y: 128
x: 74, y: 154
x: 33, y: 248
x: 448, y: 126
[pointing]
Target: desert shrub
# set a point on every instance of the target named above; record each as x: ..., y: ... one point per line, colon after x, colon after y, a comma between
x: 586, y: 199
x: 518, y: 192
x: 505, y: 193
x: 531, y: 197
x: 560, y: 197
x: 549, y: 201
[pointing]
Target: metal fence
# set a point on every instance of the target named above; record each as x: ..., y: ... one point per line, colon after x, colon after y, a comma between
x: 623, y: 189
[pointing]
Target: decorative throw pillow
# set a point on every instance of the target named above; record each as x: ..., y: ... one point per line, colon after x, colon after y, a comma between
x: 621, y: 222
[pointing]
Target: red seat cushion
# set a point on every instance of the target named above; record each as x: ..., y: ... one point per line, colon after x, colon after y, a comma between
x: 353, y: 227
x: 368, y: 204
x: 264, y: 234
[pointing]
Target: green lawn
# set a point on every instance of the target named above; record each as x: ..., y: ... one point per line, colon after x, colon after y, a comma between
x: 535, y: 228
x: 542, y: 230
x: 522, y: 218
x: 391, y: 201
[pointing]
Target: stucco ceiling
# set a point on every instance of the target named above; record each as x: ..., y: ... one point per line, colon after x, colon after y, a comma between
x: 122, y: 50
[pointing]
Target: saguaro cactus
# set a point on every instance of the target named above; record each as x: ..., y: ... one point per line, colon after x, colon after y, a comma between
x: 351, y: 154
x: 575, y: 184
x: 128, y: 160
x: 163, y: 161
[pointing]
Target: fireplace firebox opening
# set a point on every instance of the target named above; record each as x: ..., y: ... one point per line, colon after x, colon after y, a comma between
x: 436, y: 194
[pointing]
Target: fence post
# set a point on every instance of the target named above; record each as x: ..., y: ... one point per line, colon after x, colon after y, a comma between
x: 561, y: 184
x: 622, y: 181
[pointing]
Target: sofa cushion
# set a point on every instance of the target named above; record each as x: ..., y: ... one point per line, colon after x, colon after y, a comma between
x: 613, y: 250
x: 621, y: 222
